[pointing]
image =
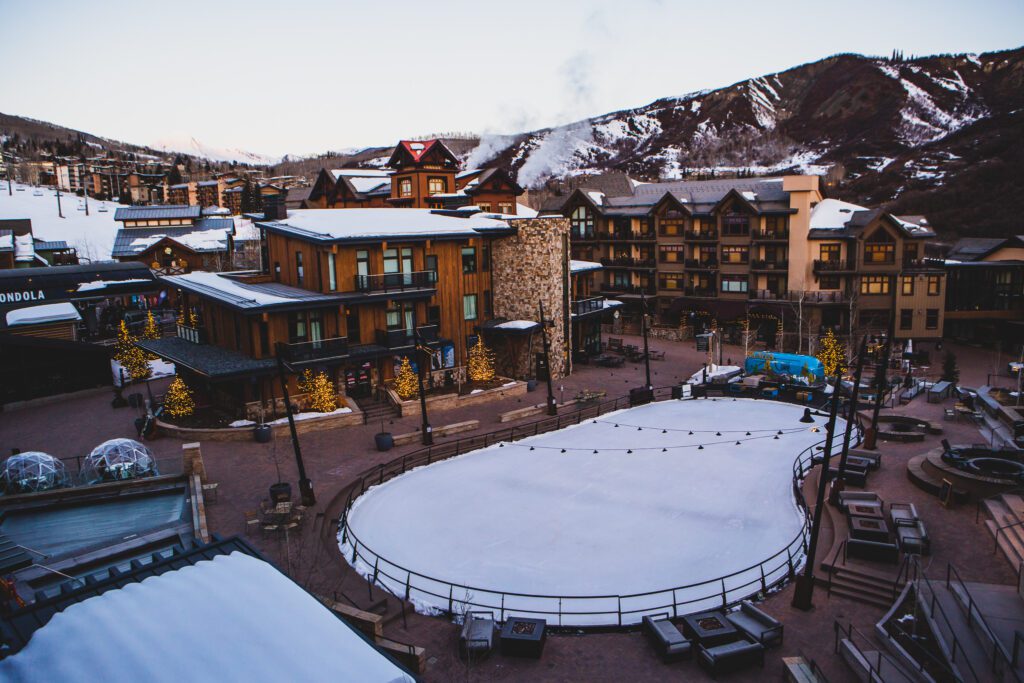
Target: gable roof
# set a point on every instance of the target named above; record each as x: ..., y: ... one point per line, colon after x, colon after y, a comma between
x: 415, y: 151
x: 371, y: 225
x: 493, y: 175
x: 977, y: 248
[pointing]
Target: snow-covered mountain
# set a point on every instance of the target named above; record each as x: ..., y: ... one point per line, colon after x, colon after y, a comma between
x: 192, y: 146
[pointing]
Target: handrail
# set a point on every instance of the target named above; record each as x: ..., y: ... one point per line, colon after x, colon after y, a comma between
x: 998, y: 650
x: 874, y: 670
x: 955, y: 646
x: 919, y: 650
x: 425, y: 456
x: 840, y: 548
x: 1000, y: 529
x: 981, y: 501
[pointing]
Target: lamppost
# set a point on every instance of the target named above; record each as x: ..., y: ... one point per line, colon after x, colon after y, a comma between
x: 552, y: 405
x: 643, y: 329
x: 880, y: 385
x: 851, y: 415
x: 423, y: 357
x: 305, y: 485
x: 804, y: 592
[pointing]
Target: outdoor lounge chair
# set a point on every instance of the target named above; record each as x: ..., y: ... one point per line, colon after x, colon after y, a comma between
x: 476, y: 639
x: 757, y: 625
x: 873, y: 551
x: 858, y: 497
x: 666, y: 638
x: 903, y: 514
x: 913, y: 538
x: 873, y: 457
x: 730, y: 656
x: 854, y: 476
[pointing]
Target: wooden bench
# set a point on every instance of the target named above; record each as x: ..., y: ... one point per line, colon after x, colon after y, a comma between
x: 411, y: 657
x: 370, y: 623
x: 454, y: 428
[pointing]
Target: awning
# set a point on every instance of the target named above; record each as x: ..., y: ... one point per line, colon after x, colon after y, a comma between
x: 511, y: 328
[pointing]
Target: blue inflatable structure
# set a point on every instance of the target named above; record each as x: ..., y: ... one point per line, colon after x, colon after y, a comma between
x: 790, y: 364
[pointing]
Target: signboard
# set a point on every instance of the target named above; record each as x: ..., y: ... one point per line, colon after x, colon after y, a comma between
x: 703, y: 341
x: 946, y: 493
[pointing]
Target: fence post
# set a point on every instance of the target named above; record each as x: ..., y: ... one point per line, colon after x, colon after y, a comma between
x: 501, y: 617
x: 675, y: 606
x: 789, y: 562
x: 764, y: 584
x: 512, y: 435
x: 619, y: 598
x: 380, y: 480
x: 408, y: 581
x: 376, y: 569
x: 451, y: 590
x: 724, y: 602
x: 559, y: 611
x: 355, y: 549
x: 403, y: 464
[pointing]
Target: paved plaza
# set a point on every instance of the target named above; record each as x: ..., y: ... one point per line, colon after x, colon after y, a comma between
x: 244, y: 470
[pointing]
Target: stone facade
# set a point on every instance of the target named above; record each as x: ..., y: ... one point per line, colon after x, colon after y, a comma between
x: 527, y: 269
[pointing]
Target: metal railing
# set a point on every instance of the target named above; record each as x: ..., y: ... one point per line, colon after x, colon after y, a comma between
x: 768, y: 235
x: 395, y: 339
x: 388, y: 282
x: 589, y: 305
x: 742, y: 584
x: 830, y: 266
x: 298, y: 352
x: 701, y: 234
x: 1002, y: 662
x: 936, y: 610
x: 761, y: 264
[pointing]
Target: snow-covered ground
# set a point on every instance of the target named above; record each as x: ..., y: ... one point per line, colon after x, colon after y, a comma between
x: 92, y: 235
x: 613, y: 507
x: 158, y: 368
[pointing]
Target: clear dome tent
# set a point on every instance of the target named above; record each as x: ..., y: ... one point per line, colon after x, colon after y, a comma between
x: 32, y: 471
x: 117, y: 460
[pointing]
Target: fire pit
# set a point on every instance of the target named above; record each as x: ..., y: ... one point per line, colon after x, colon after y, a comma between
x: 523, y: 637
x: 709, y: 628
x: 904, y: 428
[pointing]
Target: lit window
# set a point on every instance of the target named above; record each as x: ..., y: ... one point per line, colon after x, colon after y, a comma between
x: 436, y: 185
x: 907, y: 285
x: 874, y: 284
x: 469, y: 307
x: 468, y: 259
x: 734, y: 283
x: 934, y: 285
x: 405, y: 187
x: 582, y: 223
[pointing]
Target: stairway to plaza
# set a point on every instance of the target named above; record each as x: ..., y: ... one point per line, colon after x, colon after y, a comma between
x: 1006, y: 524
x: 375, y: 410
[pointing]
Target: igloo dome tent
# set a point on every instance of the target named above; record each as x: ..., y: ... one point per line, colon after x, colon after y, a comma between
x: 32, y: 471
x: 116, y: 460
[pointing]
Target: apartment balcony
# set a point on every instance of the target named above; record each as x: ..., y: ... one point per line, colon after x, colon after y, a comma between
x: 770, y: 235
x: 760, y: 266
x: 820, y: 297
x: 833, y: 267
x: 319, y: 350
x: 922, y: 265
x: 627, y: 289
x: 706, y: 265
x: 628, y: 262
x: 397, y: 282
x: 624, y: 236
x: 702, y: 235
x: 402, y: 338
x: 588, y: 306
x: 767, y: 295
x: 700, y: 291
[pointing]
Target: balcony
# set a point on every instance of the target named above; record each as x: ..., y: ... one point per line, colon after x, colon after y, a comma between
x: 401, y: 338
x: 622, y: 236
x: 702, y: 235
x: 766, y: 295
x: 627, y: 289
x: 700, y: 291
x: 694, y: 264
x: 590, y: 305
x: 319, y: 350
x: 397, y: 282
x: 628, y: 262
x: 833, y: 267
x: 770, y: 235
x: 769, y: 266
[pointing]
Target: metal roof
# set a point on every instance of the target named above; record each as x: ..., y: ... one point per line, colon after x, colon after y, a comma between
x: 160, y: 211
x: 206, y: 359
x: 250, y: 297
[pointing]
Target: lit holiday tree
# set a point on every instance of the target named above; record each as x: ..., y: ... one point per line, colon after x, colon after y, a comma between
x: 831, y: 354
x: 322, y: 398
x: 481, y: 362
x: 133, y: 359
x: 305, y: 381
x: 406, y: 385
x: 150, y: 331
x: 179, y: 402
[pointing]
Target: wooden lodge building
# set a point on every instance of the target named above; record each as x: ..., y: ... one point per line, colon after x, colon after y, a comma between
x: 174, y: 239
x: 774, y: 251
x: 420, y: 175
x: 347, y: 290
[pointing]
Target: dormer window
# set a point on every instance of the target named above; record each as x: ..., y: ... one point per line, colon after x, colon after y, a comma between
x: 582, y: 223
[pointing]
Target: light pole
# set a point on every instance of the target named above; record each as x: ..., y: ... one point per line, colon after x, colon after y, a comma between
x: 881, y: 370
x: 804, y: 593
x: 552, y: 405
x: 305, y: 485
x: 643, y: 328
x: 423, y: 357
x: 851, y: 415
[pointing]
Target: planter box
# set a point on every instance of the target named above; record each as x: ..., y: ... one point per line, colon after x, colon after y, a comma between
x: 449, y: 401
x: 308, y: 425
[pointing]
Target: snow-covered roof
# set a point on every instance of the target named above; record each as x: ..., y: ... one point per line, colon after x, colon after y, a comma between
x: 24, y: 248
x: 45, y: 313
x: 524, y: 211
x: 583, y: 266
x: 233, y: 616
x: 359, y: 173
x: 364, y: 184
x: 94, y: 285
x: 248, y: 296
x: 516, y: 325
x: 367, y: 224
x: 833, y: 214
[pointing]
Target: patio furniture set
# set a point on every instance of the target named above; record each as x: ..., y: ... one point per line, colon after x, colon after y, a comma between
x: 632, y: 352
x: 878, y: 537
x: 518, y: 637
x: 721, y: 641
x: 280, y: 516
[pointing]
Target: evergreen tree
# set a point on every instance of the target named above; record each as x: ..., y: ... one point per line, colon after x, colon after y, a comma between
x: 831, y: 354
x: 481, y: 362
x: 950, y: 370
x: 133, y: 359
x: 174, y: 175
x: 179, y: 402
x: 406, y: 384
x: 150, y: 331
x: 322, y: 398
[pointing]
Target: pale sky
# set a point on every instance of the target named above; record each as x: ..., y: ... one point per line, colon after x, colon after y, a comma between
x: 302, y: 77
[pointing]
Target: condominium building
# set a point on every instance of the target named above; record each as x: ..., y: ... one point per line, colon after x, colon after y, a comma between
x: 774, y: 253
x: 985, y: 293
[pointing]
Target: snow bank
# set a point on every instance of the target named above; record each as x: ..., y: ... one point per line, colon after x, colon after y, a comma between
x: 158, y: 368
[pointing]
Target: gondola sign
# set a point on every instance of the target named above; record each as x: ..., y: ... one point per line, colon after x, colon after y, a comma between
x: 24, y: 295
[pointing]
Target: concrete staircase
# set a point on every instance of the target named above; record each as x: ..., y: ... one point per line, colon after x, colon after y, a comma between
x: 859, y: 583
x: 1006, y: 524
x: 375, y: 410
